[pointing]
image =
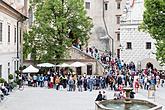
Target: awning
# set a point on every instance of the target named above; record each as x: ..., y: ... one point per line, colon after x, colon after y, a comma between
x: 30, y: 69
x: 46, y: 65
x: 63, y: 65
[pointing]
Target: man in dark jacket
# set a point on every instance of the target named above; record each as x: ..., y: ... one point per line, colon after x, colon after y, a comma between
x: 99, y: 97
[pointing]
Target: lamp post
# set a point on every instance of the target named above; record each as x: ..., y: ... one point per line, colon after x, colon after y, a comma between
x: 120, y: 49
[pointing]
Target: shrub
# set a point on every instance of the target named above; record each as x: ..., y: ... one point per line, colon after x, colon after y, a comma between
x: 2, y: 80
x: 17, y: 72
x: 11, y: 76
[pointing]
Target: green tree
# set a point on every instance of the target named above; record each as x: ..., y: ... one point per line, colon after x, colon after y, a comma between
x: 58, y: 24
x: 154, y: 23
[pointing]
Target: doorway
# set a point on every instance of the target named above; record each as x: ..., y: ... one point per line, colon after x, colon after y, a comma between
x: 78, y: 70
x: 89, y: 69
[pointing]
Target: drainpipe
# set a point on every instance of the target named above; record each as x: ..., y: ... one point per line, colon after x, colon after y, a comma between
x: 18, y: 51
x: 17, y: 44
x: 104, y: 21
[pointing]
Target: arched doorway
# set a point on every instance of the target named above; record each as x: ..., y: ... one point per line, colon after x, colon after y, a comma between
x: 149, y: 65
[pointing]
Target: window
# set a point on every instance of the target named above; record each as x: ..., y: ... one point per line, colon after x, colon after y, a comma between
x: 87, y: 5
x: 8, y: 68
x: 106, y: 6
x: 118, y: 19
x: 8, y: 33
x: 118, y: 5
x: 20, y: 35
x: 118, y: 53
x: 15, y: 34
x: 0, y: 32
x: 148, y: 45
x: 118, y: 36
x: 15, y: 63
x: 129, y: 45
x: 0, y: 70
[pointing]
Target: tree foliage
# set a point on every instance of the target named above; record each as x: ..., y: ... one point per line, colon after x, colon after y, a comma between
x: 58, y: 24
x: 154, y: 23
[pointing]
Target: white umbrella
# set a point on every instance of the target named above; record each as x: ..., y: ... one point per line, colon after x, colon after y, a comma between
x: 63, y: 65
x: 30, y: 69
x: 46, y: 65
x: 77, y: 64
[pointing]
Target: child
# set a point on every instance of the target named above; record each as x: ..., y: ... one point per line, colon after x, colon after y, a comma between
x: 162, y: 82
x: 136, y: 85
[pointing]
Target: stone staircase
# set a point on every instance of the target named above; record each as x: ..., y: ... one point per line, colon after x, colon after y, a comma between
x: 89, y: 57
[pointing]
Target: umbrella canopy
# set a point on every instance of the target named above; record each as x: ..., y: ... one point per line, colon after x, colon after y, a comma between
x: 77, y: 64
x: 46, y: 65
x: 30, y: 69
x: 63, y: 65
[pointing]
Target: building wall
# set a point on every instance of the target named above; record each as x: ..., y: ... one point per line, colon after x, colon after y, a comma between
x: 129, y: 30
x: 80, y: 56
x: 76, y: 55
x: 130, y: 33
x: 99, y: 37
x: 8, y: 50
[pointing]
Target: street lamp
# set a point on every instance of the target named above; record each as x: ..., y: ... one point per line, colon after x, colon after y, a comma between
x: 121, y: 47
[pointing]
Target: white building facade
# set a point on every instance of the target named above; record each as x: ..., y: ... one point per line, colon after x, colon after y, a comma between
x: 106, y: 20
x: 11, y: 32
x: 136, y: 46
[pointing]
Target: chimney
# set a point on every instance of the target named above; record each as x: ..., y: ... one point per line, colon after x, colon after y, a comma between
x: 26, y: 7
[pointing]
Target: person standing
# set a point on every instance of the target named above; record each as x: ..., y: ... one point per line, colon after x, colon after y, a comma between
x: 41, y: 79
x: 136, y: 85
x: 162, y: 82
x: 57, y: 82
x: 34, y: 80
x: 90, y: 82
x: 46, y: 81
x: 70, y: 83
x: 79, y: 84
x: 85, y: 84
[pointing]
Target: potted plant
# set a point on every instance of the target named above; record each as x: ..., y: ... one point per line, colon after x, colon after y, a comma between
x: 11, y: 77
x: 2, y: 81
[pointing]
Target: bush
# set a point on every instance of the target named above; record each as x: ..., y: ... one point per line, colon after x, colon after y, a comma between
x: 13, y: 84
x: 17, y: 72
x: 11, y: 76
x: 2, y: 80
x: 16, y: 81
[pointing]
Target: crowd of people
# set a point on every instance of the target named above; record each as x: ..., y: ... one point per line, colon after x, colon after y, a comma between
x: 103, y: 56
x: 118, y: 75
x: 5, y: 89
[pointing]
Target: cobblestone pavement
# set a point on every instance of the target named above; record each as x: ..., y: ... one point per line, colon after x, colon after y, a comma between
x: 50, y: 99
